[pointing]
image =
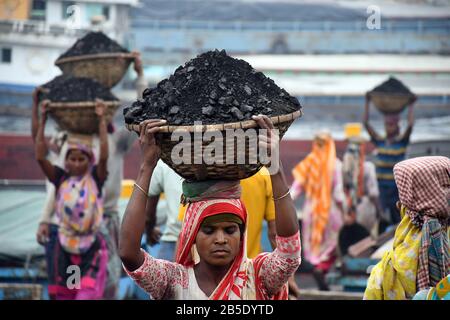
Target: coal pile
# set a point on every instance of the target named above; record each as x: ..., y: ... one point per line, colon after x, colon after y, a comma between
x: 72, y: 89
x: 93, y: 43
x: 212, y: 88
x: 392, y: 86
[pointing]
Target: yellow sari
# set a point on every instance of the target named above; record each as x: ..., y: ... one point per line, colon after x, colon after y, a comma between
x: 394, y: 277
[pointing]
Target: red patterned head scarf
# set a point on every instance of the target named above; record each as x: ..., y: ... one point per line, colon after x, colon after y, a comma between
x: 424, y: 187
x: 241, y: 280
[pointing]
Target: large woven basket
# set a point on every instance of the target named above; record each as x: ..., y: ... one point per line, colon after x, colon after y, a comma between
x: 80, y: 117
x: 390, y: 103
x: 106, y: 68
x: 197, y: 169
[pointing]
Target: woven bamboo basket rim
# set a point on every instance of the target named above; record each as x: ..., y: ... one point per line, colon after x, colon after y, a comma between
x: 388, y: 94
x: 95, y: 56
x: 247, y: 124
x: 81, y: 104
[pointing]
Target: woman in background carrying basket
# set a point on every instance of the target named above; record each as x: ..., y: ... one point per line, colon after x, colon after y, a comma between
x: 79, y: 256
x: 390, y: 150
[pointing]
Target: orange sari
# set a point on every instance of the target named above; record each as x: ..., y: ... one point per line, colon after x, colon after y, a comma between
x: 315, y: 175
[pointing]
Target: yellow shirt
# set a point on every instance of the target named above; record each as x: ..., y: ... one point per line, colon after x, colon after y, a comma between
x: 257, y: 198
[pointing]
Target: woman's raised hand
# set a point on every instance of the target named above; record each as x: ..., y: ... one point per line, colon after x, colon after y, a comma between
x: 100, y: 108
x: 138, y: 63
x: 36, y: 93
x: 149, y: 149
x: 271, y: 140
x: 44, y: 110
x: 269, y: 143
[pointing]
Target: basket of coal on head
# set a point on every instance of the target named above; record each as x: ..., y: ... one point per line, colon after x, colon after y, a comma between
x: 213, y: 96
x: 72, y: 103
x: 391, y: 97
x: 96, y: 56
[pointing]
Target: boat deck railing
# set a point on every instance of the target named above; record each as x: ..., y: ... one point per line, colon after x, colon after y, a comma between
x: 359, y: 25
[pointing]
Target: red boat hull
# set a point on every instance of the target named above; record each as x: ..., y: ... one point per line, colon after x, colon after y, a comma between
x: 17, y: 157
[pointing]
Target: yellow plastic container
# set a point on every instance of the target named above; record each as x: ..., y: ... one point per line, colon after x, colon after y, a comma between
x: 127, y: 188
x: 353, y: 130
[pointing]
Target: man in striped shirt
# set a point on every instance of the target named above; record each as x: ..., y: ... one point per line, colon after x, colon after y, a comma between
x: 390, y: 150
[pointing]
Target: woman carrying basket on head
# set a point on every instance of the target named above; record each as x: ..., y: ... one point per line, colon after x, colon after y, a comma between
x: 211, y: 260
x: 79, y: 256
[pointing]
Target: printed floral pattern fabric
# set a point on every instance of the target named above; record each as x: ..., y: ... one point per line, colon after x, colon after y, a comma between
x: 169, y: 280
x: 79, y: 210
x: 394, y: 277
x: 281, y: 264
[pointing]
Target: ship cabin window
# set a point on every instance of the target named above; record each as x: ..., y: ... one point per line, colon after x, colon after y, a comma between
x: 105, y: 11
x: 6, y: 55
x: 38, y: 8
x: 95, y: 10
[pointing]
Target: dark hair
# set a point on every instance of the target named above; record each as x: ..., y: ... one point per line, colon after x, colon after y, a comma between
x: 70, y: 150
x: 242, y: 230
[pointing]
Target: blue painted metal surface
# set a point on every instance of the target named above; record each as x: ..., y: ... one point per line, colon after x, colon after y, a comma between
x: 24, y: 276
x: 358, y: 265
x: 353, y: 284
x: 394, y: 36
x: 436, y: 25
x: 352, y: 276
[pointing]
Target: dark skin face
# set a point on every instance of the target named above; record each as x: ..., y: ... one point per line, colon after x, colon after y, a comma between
x: 77, y: 162
x: 392, y: 128
x: 218, y: 244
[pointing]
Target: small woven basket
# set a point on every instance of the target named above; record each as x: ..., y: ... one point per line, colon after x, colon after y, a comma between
x: 197, y: 169
x: 390, y: 103
x: 107, y: 68
x: 80, y: 117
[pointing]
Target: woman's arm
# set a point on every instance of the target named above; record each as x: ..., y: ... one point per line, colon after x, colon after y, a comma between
x: 141, y: 84
x: 133, y: 223
x: 286, y: 217
x: 272, y: 233
x: 279, y: 265
x: 41, y: 148
x: 409, y: 129
x: 35, y: 114
x: 35, y: 111
x: 100, y: 109
x: 152, y: 231
x: 159, y: 277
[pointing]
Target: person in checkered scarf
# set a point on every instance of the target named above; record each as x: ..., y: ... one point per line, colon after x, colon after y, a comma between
x: 420, y: 256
